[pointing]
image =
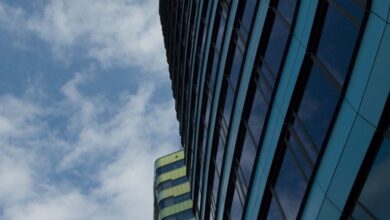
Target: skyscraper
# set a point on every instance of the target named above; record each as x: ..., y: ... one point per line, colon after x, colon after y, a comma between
x: 172, y: 189
x: 283, y: 106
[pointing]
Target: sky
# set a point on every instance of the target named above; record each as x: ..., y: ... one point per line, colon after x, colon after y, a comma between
x: 85, y: 108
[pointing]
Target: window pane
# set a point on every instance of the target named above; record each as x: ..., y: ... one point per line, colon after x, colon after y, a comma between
x: 219, y: 156
x: 215, y: 185
x: 237, y: 209
x: 248, y: 157
x: 290, y: 186
x: 257, y: 115
x: 274, y: 212
x: 276, y: 45
x: 335, y: 49
x: 249, y: 10
x: 318, y: 105
x: 302, y: 157
x: 228, y: 105
x: 287, y: 8
x: 221, y: 30
x: 235, y: 71
x: 375, y: 195
x: 353, y: 7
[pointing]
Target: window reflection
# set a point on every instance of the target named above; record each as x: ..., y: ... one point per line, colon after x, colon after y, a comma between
x: 257, y: 115
x: 276, y: 44
x: 374, y: 199
x: 287, y: 8
x: 247, y: 159
x: 335, y: 49
x: 236, y: 209
x: 318, y: 105
x: 290, y: 186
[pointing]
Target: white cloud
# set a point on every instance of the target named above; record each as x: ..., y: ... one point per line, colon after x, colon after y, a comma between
x: 121, y: 32
x: 114, y: 153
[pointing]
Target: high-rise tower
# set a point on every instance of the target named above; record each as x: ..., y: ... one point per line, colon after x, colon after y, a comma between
x: 172, y: 189
x: 283, y: 105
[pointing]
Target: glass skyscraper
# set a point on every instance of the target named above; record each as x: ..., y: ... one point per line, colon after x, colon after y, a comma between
x: 283, y: 106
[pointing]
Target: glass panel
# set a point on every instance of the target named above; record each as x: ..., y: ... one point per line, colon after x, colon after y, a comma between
x: 274, y: 212
x: 287, y: 8
x: 219, y: 155
x: 318, y: 105
x: 276, y: 45
x: 290, y: 186
x: 375, y: 195
x: 249, y: 10
x: 235, y: 71
x: 221, y: 30
x: 248, y: 157
x: 335, y: 49
x: 215, y: 185
x: 301, y: 156
x: 353, y: 7
x: 228, y: 105
x: 237, y: 209
x: 257, y: 115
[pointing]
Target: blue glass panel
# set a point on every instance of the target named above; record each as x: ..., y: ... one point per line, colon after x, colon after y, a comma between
x: 287, y: 8
x: 219, y: 155
x: 237, y: 209
x: 276, y: 45
x: 290, y: 186
x: 248, y: 13
x: 247, y: 160
x: 375, y: 195
x: 274, y: 212
x: 335, y: 49
x: 302, y: 156
x: 318, y: 105
x: 228, y: 105
x: 221, y: 30
x: 236, y: 67
x: 215, y: 185
x: 257, y: 115
x: 353, y: 7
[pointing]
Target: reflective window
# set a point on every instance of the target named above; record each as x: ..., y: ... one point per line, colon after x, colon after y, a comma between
x: 275, y: 211
x: 287, y: 8
x: 335, y: 49
x: 247, y: 159
x: 318, y: 105
x: 374, y: 199
x: 248, y: 13
x: 290, y: 186
x: 170, y: 166
x: 236, y: 67
x: 276, y: 44
x: 257, y: 115
x: 237, y: 208
x: 229, y: 101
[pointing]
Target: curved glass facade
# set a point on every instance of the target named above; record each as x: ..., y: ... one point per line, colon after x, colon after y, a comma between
x: 278, y: 102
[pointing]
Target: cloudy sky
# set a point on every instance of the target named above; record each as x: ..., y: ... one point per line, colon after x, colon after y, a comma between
x: 85, y: 109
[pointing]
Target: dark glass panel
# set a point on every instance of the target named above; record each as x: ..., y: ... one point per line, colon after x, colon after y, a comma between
x: 354, y: 7
x: 337, y: 44
x: 181, y: 198
x: 237, y: 209
x: 290, y: 186
x: 247, y: 160
x: 235, y: 71
x: 249, y: 10
x: 214, y: 72
x: 221, y: 30
x: 276, y: 45
x: 274, y: 212
x: 301, y: 156
x: 219, y: 155
x: 170, y: 166
x: 302, y: 137
x: 375, y: 195
x: 318, y: 105
x: 287, y: 8
x: 228, y: 105
x: 257, y: 115
x: 266, y: 74
x: 215, y: 185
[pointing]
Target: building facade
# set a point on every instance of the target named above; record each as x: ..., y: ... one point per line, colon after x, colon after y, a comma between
x: 283, y: 106
x: 172, y: 200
